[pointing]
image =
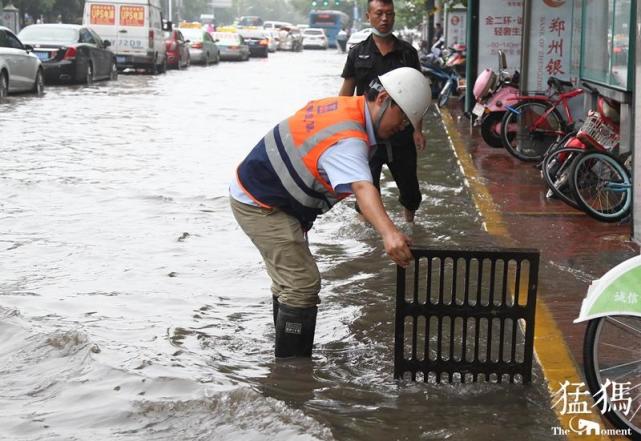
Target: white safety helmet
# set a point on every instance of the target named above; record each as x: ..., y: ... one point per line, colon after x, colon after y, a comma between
x: 411, y: 90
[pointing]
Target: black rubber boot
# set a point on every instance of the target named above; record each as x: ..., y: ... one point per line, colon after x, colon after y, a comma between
x: 275, y: 308
x: 295, y: 331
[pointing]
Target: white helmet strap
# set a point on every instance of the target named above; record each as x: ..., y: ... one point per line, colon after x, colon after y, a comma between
x: 381, y: 113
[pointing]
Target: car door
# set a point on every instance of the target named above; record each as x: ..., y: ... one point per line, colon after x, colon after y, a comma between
x: 183, y: 50
x: 19, y: 62
x: 103, y: 53
x: 208, y: 42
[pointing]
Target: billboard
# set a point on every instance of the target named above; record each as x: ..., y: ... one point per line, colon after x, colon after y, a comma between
x: 221, y: 3
x: 500, y: 28
x: 550, y: 43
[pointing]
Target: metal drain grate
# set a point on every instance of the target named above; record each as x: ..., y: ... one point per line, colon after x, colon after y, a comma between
x: 466, y: 316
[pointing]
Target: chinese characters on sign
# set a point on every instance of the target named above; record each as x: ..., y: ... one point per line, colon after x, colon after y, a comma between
x: 549, y: 44
x: 500, y: 28
x: 103, y: 15
x: 132, y: 16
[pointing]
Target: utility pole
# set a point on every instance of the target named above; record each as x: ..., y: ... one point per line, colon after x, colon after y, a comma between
x: 170, y: 15
x: 429, y: 10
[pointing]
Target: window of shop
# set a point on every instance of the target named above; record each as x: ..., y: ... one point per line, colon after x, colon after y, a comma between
x: 607, y: 46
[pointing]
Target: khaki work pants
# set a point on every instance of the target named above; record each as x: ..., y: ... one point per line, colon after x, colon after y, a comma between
x: 281, y: 241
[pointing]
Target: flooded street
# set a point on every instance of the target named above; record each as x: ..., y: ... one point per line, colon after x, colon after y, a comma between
x: 132, y: 306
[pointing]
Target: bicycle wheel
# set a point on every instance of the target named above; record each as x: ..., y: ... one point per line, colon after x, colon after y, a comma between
x: 612, y: 351
x: 527, y: 131
x: 602, y: 186
x: 556, y: 169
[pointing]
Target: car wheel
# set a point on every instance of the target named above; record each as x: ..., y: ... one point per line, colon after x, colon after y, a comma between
x: 113, y: 74
x: 89, y: 75
x: 4, y: 85
x: 39, y: 84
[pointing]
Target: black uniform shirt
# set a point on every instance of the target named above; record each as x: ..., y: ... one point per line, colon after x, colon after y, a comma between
x: 365, y: 62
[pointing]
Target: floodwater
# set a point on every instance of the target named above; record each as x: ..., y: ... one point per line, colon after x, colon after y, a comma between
x: 132, y: 307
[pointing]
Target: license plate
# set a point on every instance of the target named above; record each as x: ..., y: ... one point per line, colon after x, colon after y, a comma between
x: 478, y: 109
x: 121, y: 59
x: 43, y: 56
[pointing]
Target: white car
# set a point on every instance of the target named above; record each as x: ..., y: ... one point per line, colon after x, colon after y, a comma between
x: 314, y: 38
x: 357, y: 37
x: 20, y: 69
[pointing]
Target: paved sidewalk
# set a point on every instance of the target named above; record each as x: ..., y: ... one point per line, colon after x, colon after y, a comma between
x: 575, y: 249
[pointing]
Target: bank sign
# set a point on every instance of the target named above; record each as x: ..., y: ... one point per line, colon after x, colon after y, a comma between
x: 500, y: 28
x: 549, y: 45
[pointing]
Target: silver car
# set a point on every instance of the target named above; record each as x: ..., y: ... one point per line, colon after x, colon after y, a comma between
x: 202, y: 47
x: 20, y: 69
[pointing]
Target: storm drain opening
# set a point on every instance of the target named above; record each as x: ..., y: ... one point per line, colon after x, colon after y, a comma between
x: 466, y: 316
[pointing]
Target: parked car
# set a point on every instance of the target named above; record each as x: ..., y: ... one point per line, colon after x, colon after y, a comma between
x: 291, y: 39
x: 257, y: 40
x: 20, y: 69
x: 270, y: 24
x: 231, y: 45
x: 70, y: 53
x: 314, y: 38
x: 135, y: 30
x: 202, y: 47
x: 357, y: 37
x: 177, y: 50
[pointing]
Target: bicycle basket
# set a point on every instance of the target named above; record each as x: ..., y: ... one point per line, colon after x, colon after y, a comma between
x: 596, y: 133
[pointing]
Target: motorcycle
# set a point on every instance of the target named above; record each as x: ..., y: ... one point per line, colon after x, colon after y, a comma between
x: 444, y: 78
x: 492, y: 92
x: 455, y: 58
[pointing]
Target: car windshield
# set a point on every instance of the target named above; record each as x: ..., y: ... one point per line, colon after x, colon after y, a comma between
x: 192, y: 34
x: 313, y: 32
x: 49, y: 34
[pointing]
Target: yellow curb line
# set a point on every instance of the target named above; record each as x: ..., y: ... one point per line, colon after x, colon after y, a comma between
x: 549, y: 342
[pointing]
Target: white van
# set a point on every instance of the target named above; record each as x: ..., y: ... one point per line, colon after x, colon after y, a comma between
x: 134, y: 28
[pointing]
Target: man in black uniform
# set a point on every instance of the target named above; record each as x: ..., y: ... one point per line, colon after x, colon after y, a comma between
x: 382, y: 52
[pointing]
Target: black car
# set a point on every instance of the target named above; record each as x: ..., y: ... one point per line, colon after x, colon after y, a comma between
x: 257, y: 40
x: 70, y: 53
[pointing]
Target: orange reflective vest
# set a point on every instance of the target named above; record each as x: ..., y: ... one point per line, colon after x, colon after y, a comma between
x: 282, y: 172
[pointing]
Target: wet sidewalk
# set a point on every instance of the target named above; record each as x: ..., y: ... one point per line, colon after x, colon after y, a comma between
x: 575, y: 249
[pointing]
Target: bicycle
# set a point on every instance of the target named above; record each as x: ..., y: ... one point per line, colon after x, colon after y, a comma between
x: 586, y: 174
x: 531, y: 126
x: 612, y: 343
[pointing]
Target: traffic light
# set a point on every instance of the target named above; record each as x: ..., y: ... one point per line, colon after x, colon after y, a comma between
x: 337, y: 2
x: 314, y: 3
x: 325, y: 3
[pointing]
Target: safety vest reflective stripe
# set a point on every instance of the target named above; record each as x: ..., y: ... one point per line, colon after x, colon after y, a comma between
x: 327, y: 132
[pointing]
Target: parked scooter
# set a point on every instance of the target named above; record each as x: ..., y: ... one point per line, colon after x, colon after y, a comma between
x: 455, y: 58
x: 444, y: 79
x: 492, y: 92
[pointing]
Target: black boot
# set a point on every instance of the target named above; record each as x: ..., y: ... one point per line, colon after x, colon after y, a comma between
x: 295, y: 331
x: 275, y: 308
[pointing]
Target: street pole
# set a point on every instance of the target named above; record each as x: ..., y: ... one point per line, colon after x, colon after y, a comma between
x: 170, y: 17
x: 429, y: 7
